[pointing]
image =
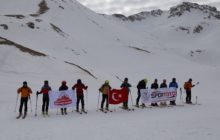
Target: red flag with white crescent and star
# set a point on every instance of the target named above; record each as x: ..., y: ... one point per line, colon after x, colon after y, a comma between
x: 117, y: 96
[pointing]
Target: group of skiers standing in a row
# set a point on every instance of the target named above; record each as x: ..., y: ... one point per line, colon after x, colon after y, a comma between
x: 25, y: 92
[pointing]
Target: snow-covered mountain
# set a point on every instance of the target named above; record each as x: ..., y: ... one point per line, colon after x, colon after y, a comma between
x: 63, y: 40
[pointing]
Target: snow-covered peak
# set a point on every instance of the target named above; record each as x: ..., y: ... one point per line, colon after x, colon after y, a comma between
x: 188, y: 7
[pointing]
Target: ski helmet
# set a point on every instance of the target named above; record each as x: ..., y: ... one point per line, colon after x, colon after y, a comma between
x: 106, y: 81
x: 145, y: 80
x: 79, y: 81
x: 24, y: 83
x: 63, y: 82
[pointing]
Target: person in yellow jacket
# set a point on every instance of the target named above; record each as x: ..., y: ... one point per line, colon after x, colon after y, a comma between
x: 105, y: 89
x: 25, y: 92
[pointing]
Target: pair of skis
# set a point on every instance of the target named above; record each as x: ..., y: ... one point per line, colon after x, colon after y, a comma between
x: 81, y: 112
x: 105, y: 110
x: 20, y: 116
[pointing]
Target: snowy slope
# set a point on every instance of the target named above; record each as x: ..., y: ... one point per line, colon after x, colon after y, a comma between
x: 72, y: 42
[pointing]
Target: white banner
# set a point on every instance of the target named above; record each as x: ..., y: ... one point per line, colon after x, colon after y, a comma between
x: 159, y: 95
x: 61, y: 99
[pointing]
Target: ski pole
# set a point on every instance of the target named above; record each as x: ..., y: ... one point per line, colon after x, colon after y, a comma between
x: 36, y: 104
x: 16, y: 103
x: 98, y: 101
x: 86, y: 96
x: 30, y: 102
x: 196, y: 99
x: 181, y: 96
x: 131, y: 98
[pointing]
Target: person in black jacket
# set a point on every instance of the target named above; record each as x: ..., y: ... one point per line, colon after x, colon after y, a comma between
x: 154, y: 86
x: 125, y: 84
x: 141, y: 85
x: 163, y: 85
x: 63, y: 87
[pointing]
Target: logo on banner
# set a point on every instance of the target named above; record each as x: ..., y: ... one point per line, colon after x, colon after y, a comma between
x: 64, y: 99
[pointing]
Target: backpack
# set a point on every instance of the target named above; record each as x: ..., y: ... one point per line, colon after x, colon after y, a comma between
x: 185, y: 85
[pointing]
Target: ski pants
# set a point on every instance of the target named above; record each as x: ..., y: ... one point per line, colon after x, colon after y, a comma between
x: 45, y: 104
x: 188, y: 96
x: 138, y: 97
x: 23, y: 101
x: 104, y: 99
x: 80, y: 98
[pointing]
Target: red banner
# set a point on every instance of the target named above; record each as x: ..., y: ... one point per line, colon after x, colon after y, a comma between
x: 117, y: 96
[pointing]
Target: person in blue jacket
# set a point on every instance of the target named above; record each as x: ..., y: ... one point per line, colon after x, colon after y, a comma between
x: 173, y: 84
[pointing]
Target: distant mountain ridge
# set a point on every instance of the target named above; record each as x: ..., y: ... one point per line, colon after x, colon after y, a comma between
x: 178, y: 10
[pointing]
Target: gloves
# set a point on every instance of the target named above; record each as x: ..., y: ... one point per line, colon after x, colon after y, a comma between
x: 37, y: 93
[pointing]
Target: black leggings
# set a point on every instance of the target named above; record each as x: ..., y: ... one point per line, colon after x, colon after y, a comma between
x: 45, y: 104
x: 104, y: 98
x: 80, y: 98
x: 138, y: 98
x: 188, y: 96
x: 23, y: 101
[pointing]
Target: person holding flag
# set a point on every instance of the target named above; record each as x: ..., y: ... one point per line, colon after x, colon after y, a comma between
x: 79, y: 86
x: 105, y: 89
x: 125, y: 84
x: 173, y: 84
x: 63, y: 87
x: 154, y: 86
x: 141, y: 85
x: 45, y: 90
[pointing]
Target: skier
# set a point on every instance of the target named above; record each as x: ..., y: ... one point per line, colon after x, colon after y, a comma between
x: 125, y: 84
x: 63, y: 87
x: 188, y: 86
x: 45, y: 90
x: 105, y: 88
x: 25, y: 92
x: 163, y: 85
x: 154, y: 86
x: 141, y: 85
x: 79, y: 86
x: 173, y: 84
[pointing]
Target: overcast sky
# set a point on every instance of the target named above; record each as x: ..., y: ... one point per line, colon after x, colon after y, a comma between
x: 128, y: 7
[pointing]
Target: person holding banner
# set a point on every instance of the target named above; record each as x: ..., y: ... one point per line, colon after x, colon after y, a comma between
x: 188, y: 86
x: 154, y: 86
x: 63, y: 87
x: 125, y: 84
x: 173, y: 84
x: 105, y: 89
x: 79, y: 86
x: 163, y: 85
x: 45, y: 90
x: 141, y: 85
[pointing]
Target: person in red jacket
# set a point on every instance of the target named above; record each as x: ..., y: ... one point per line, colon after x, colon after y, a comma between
x: 79, y: 86
x: 45, y: 90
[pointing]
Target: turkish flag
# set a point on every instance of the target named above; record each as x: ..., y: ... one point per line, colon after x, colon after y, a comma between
x: 117, y: 96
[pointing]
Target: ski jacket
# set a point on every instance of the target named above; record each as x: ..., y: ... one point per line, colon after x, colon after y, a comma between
x: 141, y: 85
x: 25, y: 91
x: 45, y: 89
x: 126, y: 85
x: 188, y: 86
x: 163, y: 85
x: 63, y: 87
x: 105, y: 88
x: 154, y: 86
x: 173, y: 85
x: 79, y: 88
